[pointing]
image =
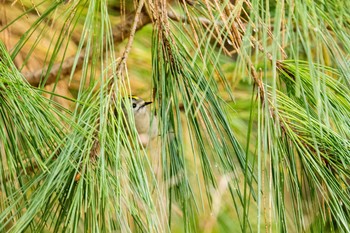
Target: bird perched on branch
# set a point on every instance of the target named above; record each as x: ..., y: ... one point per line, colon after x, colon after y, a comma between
x: 145, y: 122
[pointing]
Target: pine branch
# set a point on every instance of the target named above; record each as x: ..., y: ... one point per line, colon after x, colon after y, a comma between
x: 120, y: 32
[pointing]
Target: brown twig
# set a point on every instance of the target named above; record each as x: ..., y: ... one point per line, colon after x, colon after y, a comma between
x: 132, y: 32
x: 120, y: 32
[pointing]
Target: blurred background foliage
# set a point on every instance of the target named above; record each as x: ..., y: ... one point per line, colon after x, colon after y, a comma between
x: 252, y: 98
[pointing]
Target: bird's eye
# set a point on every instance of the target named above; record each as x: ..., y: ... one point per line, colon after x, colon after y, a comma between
x: 133, y: 105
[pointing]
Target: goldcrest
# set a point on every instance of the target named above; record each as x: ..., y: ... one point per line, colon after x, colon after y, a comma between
x: 145, y: 122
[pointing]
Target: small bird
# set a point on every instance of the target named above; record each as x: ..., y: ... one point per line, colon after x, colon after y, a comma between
x: 145, y: 122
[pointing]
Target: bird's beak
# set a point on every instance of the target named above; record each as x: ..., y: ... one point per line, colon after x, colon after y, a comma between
x: 147, y: 103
